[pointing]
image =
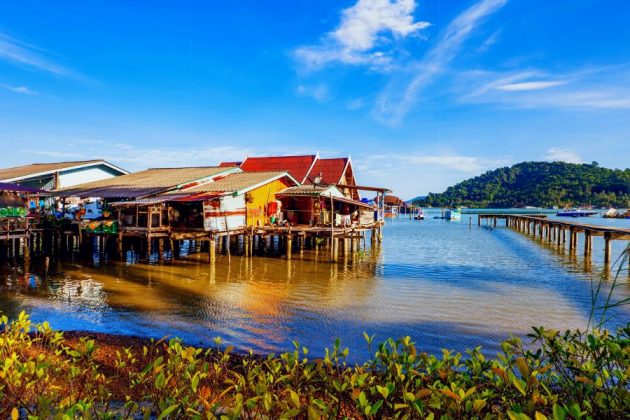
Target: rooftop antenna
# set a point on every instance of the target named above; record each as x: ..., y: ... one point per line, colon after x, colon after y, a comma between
x: 317, y: 181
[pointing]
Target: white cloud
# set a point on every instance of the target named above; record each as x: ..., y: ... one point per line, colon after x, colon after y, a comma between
x: 395, y: 101
x: 361, y: 30
x: 134, y: 158
x: 558, y: 154
x: 460, y: 163
x: 490, y: 41
x: 417, y: 173
x: 21, y: 53
x: 586, y: 89
x: 319, y: 92
x: 538, y: 85
x: 18, y: 89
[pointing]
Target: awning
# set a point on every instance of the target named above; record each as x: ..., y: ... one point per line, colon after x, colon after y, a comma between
x: 146, y: 201
x: 364, y: 188
x: 353, y: 202
x: 7, y: 186
x: 197, y: 197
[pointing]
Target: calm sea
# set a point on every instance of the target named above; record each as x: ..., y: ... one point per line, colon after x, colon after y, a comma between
x: 445, y: 284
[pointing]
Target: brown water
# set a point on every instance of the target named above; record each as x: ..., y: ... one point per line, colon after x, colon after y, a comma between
x: 446, y: 284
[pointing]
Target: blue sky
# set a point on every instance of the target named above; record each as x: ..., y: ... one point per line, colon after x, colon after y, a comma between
x: 421, y: 94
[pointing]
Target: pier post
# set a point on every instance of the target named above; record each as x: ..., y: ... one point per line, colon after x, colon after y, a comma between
x: 607, y: 248
x: 572, y: 241
x: 119, y: 245
x: 148, y: 247
x: 335, y: 249
x: 212, y: 249
x: 160, y: 249
x: 289, y: 244
x: 26, y: 250
x: 587, y: 243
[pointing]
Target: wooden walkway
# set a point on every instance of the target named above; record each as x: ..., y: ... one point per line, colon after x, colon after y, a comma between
x: 560, y: 231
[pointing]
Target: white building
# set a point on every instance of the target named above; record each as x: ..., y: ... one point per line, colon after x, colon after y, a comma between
x: 48, y: 176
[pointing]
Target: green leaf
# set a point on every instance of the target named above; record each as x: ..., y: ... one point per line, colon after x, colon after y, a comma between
x: 159, y: 381
x: 295, y: 398
x: 520, y: 385
x: 517, y: 416
x: 195, y: 382
x: 559, y: 413
x: 168, y: 411
x: 376, y: 407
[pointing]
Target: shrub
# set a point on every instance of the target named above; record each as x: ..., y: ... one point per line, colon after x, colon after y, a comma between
x: 45, y: 373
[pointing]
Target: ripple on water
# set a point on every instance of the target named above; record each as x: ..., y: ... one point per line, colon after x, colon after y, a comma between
x: 446, y: 284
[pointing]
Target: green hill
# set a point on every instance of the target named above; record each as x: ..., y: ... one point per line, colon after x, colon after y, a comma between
x: 543, y: 184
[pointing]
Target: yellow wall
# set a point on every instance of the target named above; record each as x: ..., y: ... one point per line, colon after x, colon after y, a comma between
x: 257, y: 210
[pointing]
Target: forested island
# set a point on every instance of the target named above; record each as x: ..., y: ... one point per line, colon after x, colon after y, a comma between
x: 540, y: 184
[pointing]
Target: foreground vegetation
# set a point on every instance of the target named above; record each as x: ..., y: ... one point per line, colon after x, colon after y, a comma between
x: 45, y: 374
x: 543, y: 184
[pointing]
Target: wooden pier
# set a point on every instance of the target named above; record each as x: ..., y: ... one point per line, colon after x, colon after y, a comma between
x: 561, y: 232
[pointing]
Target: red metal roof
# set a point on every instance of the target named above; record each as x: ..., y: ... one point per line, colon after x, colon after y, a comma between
x: 332, y: 170
x: 297, y: 166
x: 229, y: 164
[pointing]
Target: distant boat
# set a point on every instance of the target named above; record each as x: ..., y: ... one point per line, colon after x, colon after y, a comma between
x: 611, y: 214
x: 616, y: 214
x: 453, y: 214
x: 576, y: 213
x: 419, y: 215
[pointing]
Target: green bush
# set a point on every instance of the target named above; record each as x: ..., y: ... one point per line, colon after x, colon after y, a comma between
x: 45, y: 374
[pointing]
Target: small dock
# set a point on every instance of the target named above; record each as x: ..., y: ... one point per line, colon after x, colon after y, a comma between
x: 561, y: 232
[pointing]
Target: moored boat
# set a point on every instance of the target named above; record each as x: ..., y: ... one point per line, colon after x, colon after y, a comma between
x: 576, y: 213
x: 453, y: 214
x: 419, y: 215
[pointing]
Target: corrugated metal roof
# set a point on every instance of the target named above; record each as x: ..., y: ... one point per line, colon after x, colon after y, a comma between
x: 332, y: 170
x: 141, y: 184
x: 309, y: 190
x: 297, y: 166
x: 235, y: 183
x: 43, y: 168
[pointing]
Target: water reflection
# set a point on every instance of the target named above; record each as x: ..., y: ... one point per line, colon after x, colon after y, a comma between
x: 445, y: 284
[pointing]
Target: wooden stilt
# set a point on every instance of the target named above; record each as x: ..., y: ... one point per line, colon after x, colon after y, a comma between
x: 607, y: 248
x: 160, y: 249
x: 289, y: 240
x: 212, y: 250
x: 149, y: 250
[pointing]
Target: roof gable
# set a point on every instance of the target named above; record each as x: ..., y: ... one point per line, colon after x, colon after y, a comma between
x: 17, y: 173
x: 298, y: 166
x: 332, y: 170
